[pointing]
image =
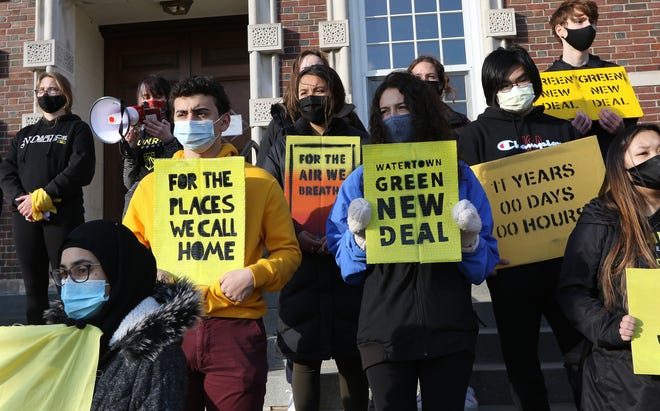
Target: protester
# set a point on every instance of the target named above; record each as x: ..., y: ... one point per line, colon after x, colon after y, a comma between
x: 616, y: 230
x: 406, y: 333
x: 152, y: 138
x: 510, y: 125
x: 43, y: 173
x: 318, y: 312
x: 108, y: 280
x: 286, y: 113
x: 226, y: 352
x: 574, y: 25
x: 430, y: 70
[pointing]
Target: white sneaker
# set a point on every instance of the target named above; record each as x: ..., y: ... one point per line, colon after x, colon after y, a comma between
x: 471, y: 402
x: 291, y: 406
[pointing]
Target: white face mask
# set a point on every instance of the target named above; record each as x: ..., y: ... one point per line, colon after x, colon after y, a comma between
x: 518, y: 99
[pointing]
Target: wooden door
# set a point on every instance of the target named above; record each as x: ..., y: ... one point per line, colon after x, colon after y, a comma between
x: 174, y: 50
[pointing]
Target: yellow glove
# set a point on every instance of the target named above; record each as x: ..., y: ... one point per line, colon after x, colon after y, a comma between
x: 41, y: 203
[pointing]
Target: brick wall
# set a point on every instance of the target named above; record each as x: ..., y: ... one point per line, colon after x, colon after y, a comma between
x: 299, y: 20
x: 16, y: 85
x: 627, y: 34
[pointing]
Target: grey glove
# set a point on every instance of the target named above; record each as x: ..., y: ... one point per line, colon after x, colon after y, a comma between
x: 359, y: 215
x: 467, y: 218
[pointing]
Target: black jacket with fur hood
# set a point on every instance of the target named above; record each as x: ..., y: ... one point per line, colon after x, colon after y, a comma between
x: 144, y: 367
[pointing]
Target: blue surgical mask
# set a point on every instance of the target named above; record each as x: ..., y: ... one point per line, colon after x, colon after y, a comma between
x: 82, y: 300
x: 195, y: 135
x: 400, y: 128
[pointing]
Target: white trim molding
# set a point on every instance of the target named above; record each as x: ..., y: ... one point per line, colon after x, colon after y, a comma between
x: 501, y: 23
x: 260, y: 111
x: 45, y: 53
x: 266, y: 38
x: 333, y: 34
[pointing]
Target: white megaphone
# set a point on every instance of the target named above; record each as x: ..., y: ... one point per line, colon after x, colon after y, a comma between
x: 109, y: 118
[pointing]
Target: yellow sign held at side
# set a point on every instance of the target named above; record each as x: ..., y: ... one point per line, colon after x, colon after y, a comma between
x: 199, y: 217
x: 412, y: 188
x: 589, y: 90
x: 537, y: 197
x: 643, y: 286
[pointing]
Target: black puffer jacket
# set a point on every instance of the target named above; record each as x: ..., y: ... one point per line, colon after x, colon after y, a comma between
x: 608, y: 381
x: 144, y: 367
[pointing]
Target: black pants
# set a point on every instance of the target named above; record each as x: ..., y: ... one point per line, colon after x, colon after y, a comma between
x: 37, y: 246
x: 353, y: 385
x: 520, y: 295
x: 443, y: 382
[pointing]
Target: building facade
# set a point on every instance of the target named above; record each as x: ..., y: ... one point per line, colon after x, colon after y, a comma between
x: 105, y: 46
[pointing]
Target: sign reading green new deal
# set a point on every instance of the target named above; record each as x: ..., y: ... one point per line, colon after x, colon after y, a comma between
x: 412, y: 188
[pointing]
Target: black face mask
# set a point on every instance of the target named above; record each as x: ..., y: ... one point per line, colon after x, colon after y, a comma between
x: 313, y: 109
x: 647, y: 174
x: 435, y: 86
x: 581, y: 39
x: 50, y: 104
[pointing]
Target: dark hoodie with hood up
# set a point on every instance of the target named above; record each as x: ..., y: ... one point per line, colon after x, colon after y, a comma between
x: 608, y: 381
x: 498, y: 133
x: 57, y: 156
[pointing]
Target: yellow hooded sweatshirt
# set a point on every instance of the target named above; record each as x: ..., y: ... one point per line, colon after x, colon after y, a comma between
x: 268, y: 227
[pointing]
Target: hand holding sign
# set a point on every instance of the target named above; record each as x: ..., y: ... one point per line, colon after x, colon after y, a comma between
x: 610, y: 121
x: 467, y: 218
x: 359, y: 215
x: 627, y: 327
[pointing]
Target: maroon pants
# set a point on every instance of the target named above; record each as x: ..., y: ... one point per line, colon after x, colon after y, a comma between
x: 227, y: 365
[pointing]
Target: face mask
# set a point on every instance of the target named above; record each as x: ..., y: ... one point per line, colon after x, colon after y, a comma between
x: 581, y: 39
x: 435, y: 86
x: 82, y: 300
x: 516, y: 100
x: 313, y: 108
x: 647, y: 174
x: 195, y: 135
x: 399, y: 128
x: 50, y: 104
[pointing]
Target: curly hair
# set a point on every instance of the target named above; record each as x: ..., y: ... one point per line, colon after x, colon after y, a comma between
x: 635, y: 241
x: 205, y: 85
x: 424, y: 106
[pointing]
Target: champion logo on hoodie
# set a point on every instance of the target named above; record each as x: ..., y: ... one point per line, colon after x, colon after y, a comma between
x: 506, y: 145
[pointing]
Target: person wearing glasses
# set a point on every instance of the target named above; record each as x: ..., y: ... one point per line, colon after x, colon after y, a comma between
x: 511, y: 125
x: 108, y: 280
x: 43, y: 173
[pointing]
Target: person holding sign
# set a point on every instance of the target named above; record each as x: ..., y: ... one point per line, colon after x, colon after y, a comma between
x: 574, y: 26
x: 286, y: 113
x: 521, y: 294
x: 430, y: 70
x: 108, y: 280
x: 42, y: 175
x: 226, y: 352
x: 617, y: 230
x: 318, y: 312
x: 416, y: 320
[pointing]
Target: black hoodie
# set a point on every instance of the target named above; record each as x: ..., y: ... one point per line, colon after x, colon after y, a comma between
x: 57, y: 156
x: 497, y: 134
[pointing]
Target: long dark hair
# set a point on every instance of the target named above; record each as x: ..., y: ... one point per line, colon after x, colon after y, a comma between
x: 497, y: 66
x: 634, y: 242
x: 291, y: 94
x: 336, y: 95
x: 424, y: 106
x: 156, y: 86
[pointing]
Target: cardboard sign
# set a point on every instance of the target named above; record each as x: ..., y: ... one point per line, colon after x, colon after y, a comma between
x: 589, y: 90
x: 316, y: 166
x: 48, y: 367
x: 537, y: 197
x: 643, y: 302
x: 412, y: 188
x: 199, y: 217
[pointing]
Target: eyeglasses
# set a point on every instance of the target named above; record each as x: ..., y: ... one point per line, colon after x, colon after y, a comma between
x: 78, y: 273
x: 51, y: 91
x: 520, y: 83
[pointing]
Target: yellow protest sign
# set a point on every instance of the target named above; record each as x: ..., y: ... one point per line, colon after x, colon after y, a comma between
x: 643, y: 303
x: 315, y: 168
x: 48, y: 367
x: 537, y: 197
x: 199, y: 217
x: 412, y: 188
x: 589, y: 90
